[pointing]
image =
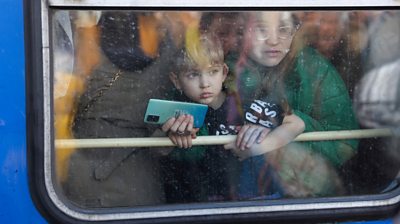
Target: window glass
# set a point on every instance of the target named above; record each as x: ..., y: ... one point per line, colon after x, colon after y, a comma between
x: 312, y: 97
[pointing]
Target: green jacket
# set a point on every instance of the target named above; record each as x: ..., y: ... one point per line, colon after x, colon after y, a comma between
x: 317, y: 94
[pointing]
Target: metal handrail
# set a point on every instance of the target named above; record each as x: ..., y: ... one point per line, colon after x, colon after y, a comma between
x: 214, y: 140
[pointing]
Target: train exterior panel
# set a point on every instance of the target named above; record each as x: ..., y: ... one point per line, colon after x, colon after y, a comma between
x: 23, y: 196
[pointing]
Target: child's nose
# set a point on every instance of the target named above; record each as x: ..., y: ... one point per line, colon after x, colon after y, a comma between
x: 204, y: 81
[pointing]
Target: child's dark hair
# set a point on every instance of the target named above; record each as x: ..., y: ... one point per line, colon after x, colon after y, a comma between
x: 207, y: 18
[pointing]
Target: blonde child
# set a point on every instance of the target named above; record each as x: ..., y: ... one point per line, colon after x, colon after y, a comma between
x: 199, y: 77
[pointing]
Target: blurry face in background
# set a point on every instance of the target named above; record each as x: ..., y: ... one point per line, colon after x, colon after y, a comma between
x: 229, y: 30
x: 329, y: 33
x: 271, y: 37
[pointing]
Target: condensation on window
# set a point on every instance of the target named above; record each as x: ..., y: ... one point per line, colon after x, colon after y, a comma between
x: 280, y: 89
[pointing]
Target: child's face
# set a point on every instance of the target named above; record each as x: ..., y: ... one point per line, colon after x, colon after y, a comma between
x: 271, y: 37
x: 203, y: 85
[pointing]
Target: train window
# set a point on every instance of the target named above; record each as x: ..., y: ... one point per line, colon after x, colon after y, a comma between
x: 302, y: 112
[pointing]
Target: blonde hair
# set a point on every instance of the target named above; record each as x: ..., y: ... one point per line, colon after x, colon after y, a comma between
x: 199, y: 51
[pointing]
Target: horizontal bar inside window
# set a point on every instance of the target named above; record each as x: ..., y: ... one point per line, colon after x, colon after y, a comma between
x: 213, y: 140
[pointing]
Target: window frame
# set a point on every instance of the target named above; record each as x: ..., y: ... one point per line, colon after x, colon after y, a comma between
x: 41, y: 138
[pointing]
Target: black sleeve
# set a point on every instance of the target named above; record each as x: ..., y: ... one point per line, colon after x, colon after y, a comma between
x: 266, y: 112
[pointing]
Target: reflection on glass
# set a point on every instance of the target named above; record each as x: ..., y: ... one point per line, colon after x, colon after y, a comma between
x: 266, y: 77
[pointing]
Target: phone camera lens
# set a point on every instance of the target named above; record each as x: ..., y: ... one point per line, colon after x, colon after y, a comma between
x: 153, y: 118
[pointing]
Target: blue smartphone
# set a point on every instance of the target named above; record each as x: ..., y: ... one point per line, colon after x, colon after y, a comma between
x: 159, y: 111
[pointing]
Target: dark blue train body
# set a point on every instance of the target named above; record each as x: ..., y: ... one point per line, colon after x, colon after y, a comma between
x: 16, y: 201
x: 16, y: 205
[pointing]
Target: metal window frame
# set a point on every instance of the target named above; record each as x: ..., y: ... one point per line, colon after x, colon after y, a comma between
x: 222, y: 3
x: 287, y: 209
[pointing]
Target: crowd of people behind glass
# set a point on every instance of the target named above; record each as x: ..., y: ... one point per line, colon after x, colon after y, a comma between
x: 304, y: 66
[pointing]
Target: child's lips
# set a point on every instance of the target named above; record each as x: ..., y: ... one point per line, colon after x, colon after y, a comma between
x: 272, y: 53
x: 205, y: 95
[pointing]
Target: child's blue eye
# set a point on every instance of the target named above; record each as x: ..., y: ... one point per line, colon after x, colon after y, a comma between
x: 214, y: 71
x: 192, y: 75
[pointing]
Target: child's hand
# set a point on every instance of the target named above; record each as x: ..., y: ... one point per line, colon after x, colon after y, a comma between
x: 250, y: 134
x: 282, y: 135
x: 180, y: 130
